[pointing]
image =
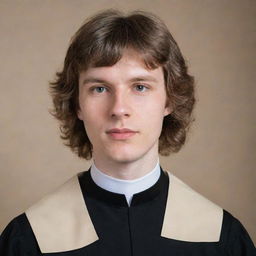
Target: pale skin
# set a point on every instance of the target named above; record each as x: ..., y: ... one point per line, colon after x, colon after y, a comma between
x: 122, y: 107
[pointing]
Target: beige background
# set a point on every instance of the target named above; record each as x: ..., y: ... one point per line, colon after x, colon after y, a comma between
x: 217, y: 38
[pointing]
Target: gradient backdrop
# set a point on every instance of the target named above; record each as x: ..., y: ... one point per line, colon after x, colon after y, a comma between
x: 218, y: 39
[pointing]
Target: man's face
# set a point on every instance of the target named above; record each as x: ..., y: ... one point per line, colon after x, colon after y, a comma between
x: 122, y: 107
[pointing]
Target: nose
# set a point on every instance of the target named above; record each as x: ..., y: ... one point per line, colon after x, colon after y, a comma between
x: 120, y: 106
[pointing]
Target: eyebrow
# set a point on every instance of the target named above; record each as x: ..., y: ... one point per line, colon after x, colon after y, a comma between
x: 135, y: 79
x: 93, y: 80
x: 144, y: 78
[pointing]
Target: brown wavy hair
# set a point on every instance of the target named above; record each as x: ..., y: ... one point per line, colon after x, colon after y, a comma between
x: 100, y: 42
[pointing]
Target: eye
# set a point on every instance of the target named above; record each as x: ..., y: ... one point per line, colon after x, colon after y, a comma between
x: 141, y: 88
x: 99, y: 89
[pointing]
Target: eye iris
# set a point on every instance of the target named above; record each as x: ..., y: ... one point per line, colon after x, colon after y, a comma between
x: 100, y: 89
x: 140, y: 87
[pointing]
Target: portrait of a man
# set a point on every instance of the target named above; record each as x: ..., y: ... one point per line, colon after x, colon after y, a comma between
x: 124, y: 97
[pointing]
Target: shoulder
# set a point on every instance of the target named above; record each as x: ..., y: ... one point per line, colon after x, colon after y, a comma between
x: 18, y: 237
x: 59, y: 217
x: 13, y: 229
x: 189, y: 216
x: 235, y: 238
x: 51, y: 224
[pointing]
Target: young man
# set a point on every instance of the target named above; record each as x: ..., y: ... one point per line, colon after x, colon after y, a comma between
x: 124, y: 96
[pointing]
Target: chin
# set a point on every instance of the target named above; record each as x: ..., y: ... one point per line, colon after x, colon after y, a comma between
x: 126, y: 156
x: 123, y: 159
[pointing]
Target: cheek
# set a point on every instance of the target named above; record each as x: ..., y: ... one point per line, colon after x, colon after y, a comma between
x: 92, y: 129
x: 153, y: 119
x: 92, y: 118
x: 157, y: 109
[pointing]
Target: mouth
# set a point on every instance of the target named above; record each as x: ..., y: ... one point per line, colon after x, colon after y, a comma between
x: 121, y: 134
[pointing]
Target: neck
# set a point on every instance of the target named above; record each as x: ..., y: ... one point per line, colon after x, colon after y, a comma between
x: 127, y: 170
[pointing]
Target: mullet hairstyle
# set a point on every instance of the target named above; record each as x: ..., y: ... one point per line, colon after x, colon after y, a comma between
x: 101, y: 42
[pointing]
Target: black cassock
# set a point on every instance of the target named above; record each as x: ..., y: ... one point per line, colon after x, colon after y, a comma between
x: 166, y: 219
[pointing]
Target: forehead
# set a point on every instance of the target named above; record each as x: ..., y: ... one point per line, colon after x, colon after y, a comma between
x: 130, y: 65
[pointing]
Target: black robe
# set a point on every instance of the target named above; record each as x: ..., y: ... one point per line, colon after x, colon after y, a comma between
x: 121, y: 230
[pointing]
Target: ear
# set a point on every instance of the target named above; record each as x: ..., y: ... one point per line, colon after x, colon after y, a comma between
x: 167, y: 110
x: 79, y: 114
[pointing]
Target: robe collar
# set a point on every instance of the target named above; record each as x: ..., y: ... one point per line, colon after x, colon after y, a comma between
x: 89, y: 188
x: 127, y: 187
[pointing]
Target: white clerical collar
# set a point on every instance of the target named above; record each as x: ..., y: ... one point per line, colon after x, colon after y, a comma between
x: 125, y: 187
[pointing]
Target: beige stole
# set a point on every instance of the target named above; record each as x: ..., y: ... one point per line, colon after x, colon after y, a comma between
x: 61, y: 221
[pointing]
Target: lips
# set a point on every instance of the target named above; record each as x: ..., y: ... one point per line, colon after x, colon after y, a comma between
x: 121, y: 134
